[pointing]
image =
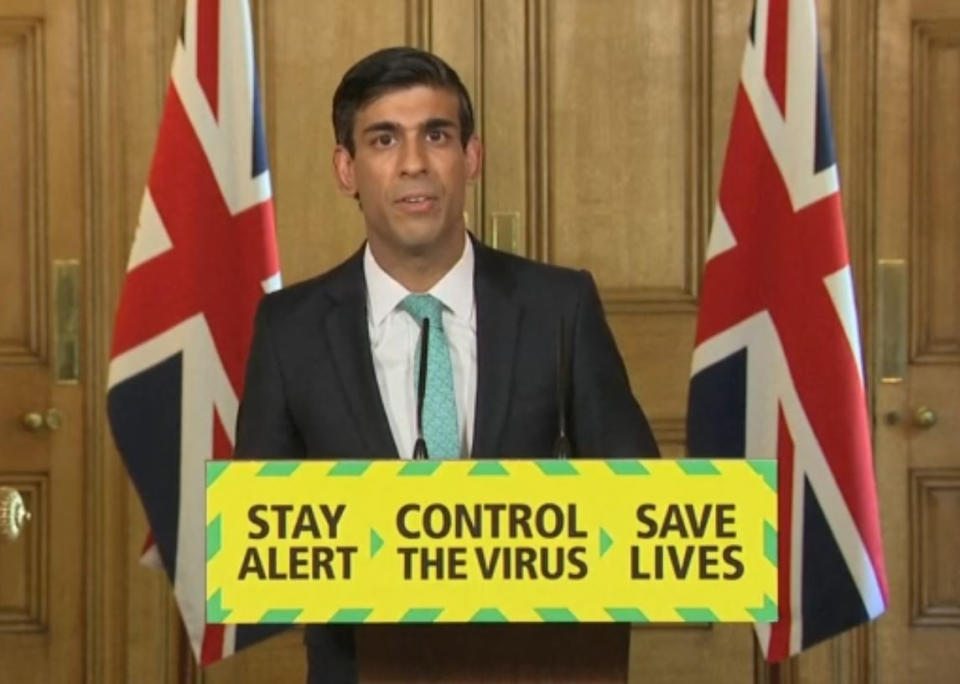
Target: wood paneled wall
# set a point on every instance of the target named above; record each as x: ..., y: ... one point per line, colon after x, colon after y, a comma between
x: 605, y: 123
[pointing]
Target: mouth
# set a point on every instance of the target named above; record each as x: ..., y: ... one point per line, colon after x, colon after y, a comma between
x: 416, y: 202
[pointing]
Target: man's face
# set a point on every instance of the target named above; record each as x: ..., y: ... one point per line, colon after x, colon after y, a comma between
x: 410, y: 172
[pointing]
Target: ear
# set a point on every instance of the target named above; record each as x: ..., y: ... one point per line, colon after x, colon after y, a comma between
x: 343, y: 171
x: 474, y: 155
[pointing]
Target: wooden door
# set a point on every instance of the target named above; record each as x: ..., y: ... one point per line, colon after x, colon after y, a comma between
x: 42, y: 321
x: 918, y: 245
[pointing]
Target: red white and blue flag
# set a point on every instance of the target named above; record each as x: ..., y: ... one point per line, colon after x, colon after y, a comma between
x: 203, y: 255
x: 777, y: 370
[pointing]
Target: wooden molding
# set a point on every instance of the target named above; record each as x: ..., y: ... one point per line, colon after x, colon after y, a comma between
x: 24, y: 37
x: 537, y: 24
x: 636, y: 301
x: 166, y: 15
x: 929, y: 37
x: 111, y: 656
x: 27, y: 559
x: 699, y: 146
x: 104, y: 634
x: 419, y: 28
x: 853, y: 108
x: 934, y: 528
x: 479, y: 222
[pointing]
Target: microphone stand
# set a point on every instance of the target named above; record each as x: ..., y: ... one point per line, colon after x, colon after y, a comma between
x: 562, y: 449
x: 420, y: 447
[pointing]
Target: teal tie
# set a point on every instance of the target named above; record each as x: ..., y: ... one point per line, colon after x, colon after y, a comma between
x: 439, y: 402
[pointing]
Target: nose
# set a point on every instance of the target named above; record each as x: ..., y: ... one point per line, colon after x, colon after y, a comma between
x: 413, y: 158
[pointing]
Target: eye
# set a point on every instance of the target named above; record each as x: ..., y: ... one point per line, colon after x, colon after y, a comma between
x: 437, y: 135
x: 383, y: 140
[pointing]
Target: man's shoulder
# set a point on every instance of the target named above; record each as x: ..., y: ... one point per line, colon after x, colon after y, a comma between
x: 529, y: 276
x: 317, y: 293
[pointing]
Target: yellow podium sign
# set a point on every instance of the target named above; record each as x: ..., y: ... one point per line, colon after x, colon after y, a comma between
x: 492, y: 541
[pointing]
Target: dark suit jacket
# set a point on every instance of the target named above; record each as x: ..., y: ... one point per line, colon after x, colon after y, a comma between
x: 311, y: 389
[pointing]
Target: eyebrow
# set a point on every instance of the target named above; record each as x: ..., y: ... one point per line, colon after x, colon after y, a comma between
x: 393, y: 126
x: 439, y: 122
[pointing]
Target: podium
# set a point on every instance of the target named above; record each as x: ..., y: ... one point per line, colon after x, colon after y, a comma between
x: 493, y: 653
x: 491, y: 571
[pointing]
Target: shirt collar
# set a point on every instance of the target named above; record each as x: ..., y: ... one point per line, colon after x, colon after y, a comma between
x: 454, y: 289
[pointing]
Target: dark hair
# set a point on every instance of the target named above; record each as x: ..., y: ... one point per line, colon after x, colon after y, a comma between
x: 393, y: 69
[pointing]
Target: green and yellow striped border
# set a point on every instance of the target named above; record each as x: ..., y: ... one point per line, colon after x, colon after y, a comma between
x: 766, y: 611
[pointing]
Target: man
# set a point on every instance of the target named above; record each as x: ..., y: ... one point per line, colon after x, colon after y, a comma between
x: 333, y: 362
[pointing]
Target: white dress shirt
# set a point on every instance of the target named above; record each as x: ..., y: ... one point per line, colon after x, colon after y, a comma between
x: 394, y: 336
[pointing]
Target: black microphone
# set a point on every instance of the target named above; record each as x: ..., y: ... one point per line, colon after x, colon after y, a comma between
x: 420, y: 447
x: 561, y: 447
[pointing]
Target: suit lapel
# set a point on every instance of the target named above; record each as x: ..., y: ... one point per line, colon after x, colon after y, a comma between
x: 349, y: 343
x: 498, y: 325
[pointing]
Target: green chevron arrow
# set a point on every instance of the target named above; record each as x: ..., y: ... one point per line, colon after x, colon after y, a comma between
x: 376, y: 542
x: 606, y: 541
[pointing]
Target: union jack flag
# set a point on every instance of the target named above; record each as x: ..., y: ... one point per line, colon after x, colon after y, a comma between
x: 203, y: 255
x: 777, y: 370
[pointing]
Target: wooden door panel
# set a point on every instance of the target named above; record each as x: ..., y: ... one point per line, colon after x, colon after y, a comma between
x: 918, y: 212
x: 934, y: 512
x: 307, y: 48
x: 935, y: 241
x: 41, y: 573
x: 622, y: 144
x: 21, y: 322
x: 23, y: 594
